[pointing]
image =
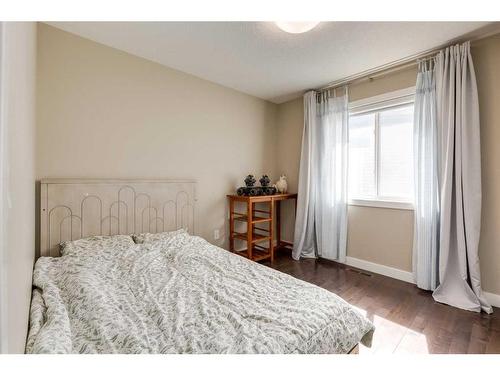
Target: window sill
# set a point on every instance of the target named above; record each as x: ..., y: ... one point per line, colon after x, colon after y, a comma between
x: 381, y: 204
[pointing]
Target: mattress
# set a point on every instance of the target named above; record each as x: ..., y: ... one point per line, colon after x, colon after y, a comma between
x: 183, y: 295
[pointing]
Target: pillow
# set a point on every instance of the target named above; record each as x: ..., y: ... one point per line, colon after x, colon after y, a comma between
x: 153, y: 237
x: 89, y: 244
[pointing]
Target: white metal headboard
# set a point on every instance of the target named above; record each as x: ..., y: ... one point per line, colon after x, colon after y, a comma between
x: 73, y: 208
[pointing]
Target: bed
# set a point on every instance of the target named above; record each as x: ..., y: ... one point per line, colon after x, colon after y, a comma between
x: 167, y: 291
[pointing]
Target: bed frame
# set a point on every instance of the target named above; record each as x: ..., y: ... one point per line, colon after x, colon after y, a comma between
x: 76, y: 208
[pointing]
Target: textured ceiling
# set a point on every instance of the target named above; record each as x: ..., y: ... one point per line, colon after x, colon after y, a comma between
x: 259, y: 59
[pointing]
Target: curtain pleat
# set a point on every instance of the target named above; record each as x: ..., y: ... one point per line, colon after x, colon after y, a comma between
x: 304, y: 236
x: 426, y: 226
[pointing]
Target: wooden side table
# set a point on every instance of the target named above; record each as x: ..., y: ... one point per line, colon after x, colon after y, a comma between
x: 256, y: 236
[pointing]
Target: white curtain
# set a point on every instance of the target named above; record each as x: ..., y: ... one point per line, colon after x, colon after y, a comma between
x: 321, y: 223
x: 426, y: 227
x: 448, y: 180
x: 460, y: 180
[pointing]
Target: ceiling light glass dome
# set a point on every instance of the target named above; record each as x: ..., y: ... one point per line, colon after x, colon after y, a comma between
x: 296, y: 27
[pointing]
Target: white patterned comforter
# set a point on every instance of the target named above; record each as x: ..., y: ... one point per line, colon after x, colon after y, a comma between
x: 183, y: 295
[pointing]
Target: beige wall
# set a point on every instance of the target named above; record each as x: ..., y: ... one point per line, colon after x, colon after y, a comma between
x: 104, y: 113
x: 289, y: 127
x: 369, y: 227
x: 18, y: 124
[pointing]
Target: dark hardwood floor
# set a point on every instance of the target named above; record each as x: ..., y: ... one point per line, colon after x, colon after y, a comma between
x: 407, y: 319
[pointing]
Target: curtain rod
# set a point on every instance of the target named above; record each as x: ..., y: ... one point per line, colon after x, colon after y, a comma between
x: 411, y: 60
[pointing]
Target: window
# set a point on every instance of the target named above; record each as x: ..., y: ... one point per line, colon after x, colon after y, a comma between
x: 381, y: 151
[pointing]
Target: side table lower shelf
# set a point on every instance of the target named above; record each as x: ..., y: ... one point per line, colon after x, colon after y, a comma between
x: 284, y: 245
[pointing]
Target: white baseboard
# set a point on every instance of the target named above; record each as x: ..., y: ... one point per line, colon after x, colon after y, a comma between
x: 395, y: 273
x: 493, y: 299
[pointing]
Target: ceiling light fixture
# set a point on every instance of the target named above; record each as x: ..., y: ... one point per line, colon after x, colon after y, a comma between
x: 296, y: 27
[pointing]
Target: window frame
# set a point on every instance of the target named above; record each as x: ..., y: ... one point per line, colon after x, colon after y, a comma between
x: 376, y: 104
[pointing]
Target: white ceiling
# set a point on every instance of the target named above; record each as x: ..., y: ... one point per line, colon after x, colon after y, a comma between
x: 259, y: 59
